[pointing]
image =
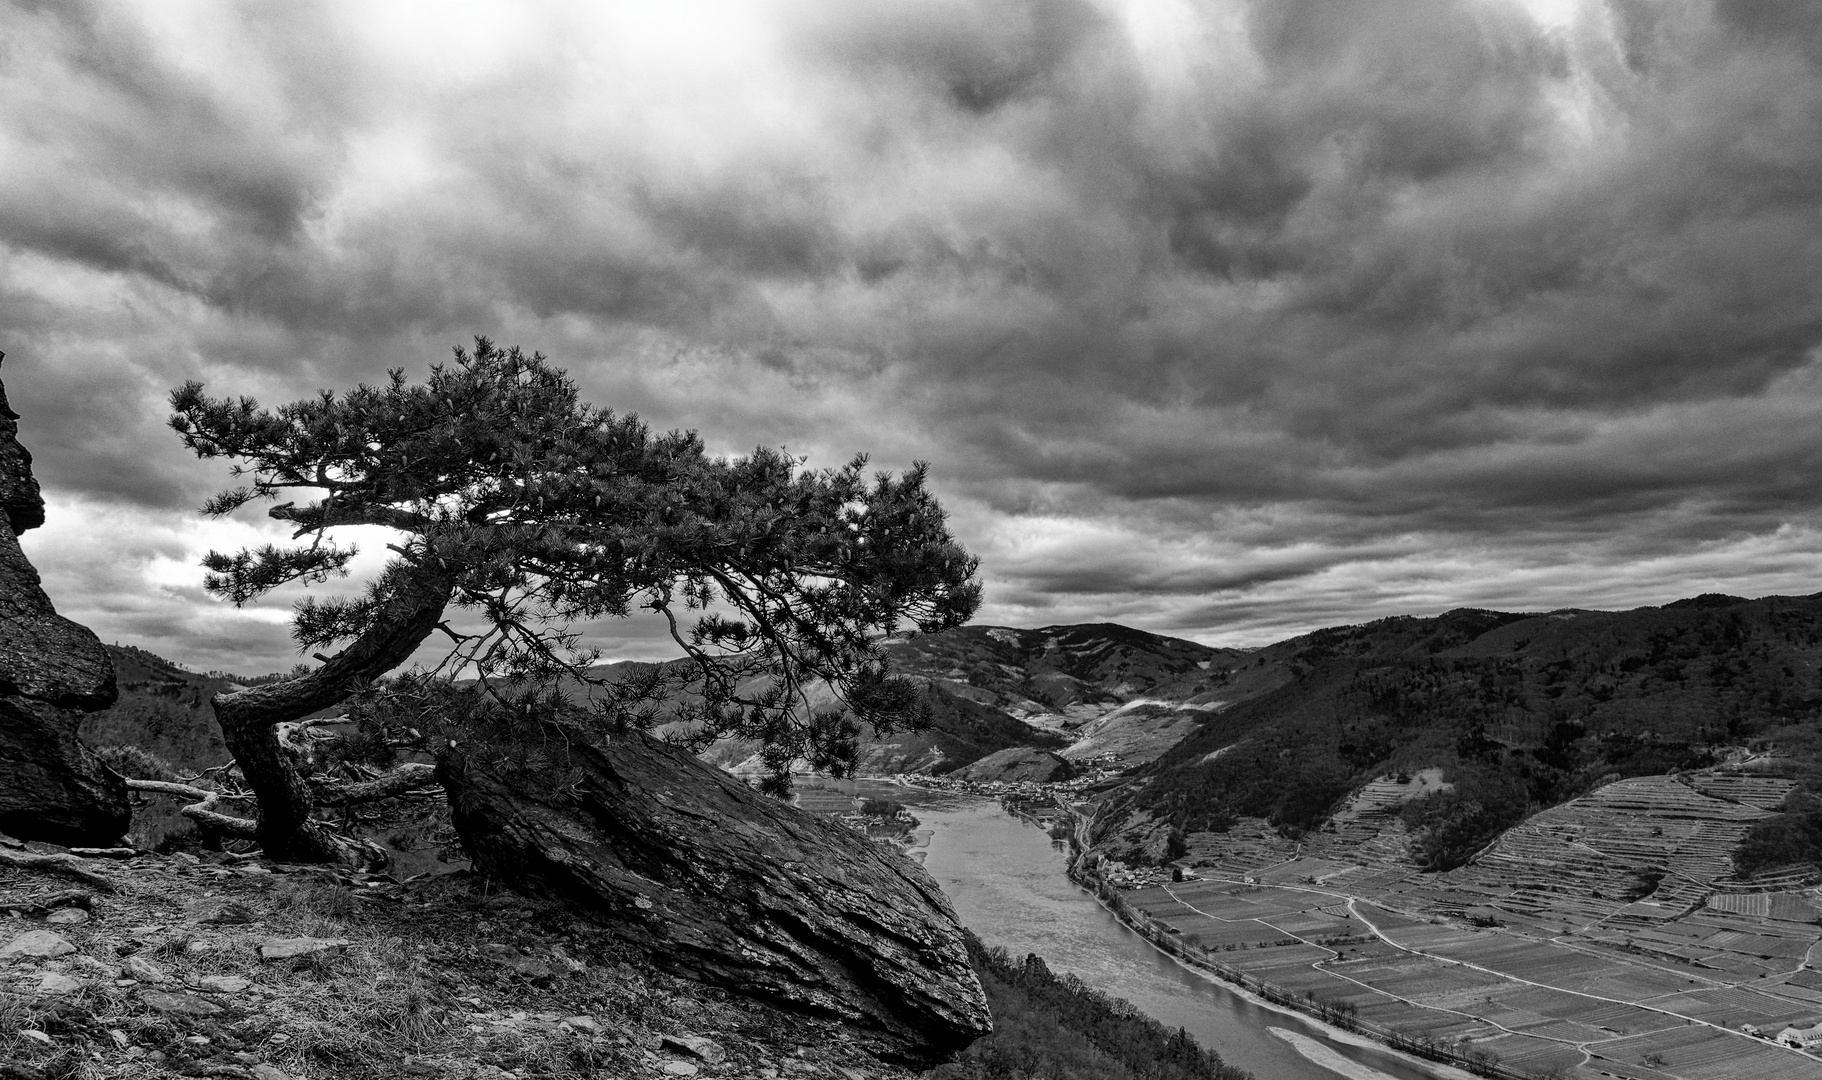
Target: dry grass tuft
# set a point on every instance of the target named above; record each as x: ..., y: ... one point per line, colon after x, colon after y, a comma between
x: 329, y: 902
x: 409, y: 1017
x: 170, y: 947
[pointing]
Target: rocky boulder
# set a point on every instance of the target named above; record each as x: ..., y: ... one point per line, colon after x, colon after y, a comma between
x: 718, y: 883
x: 51, y: 672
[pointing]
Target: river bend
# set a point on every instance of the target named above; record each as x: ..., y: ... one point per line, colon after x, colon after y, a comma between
x: 1006, y: 880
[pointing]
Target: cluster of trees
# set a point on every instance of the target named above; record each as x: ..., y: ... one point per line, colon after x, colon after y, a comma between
x: 1792, y: 837
x: 1448, y: 827
x: 1057, y: 1027
x: 520, y: 512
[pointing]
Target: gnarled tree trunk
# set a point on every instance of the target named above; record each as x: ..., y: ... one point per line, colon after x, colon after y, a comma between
x: 250, y: 718
x: 718, y: 882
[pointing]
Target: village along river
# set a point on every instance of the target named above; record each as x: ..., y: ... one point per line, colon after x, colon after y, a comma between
x: 1005, y: 878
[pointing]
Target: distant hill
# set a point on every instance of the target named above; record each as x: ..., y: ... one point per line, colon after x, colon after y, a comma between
x: 1055, y: 668
x: 1105, y: 688
x: 1522, y: 711
x: 1081, y: 690
x: 1016, y: 765
x: 959, y: 732
x: 162, y: 709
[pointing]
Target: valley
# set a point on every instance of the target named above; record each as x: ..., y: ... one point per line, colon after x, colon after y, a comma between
x: 1505, y: 841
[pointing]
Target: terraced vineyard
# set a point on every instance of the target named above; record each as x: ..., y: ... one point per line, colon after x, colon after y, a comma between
x: 1602, y: 938
x: 1595, y: 859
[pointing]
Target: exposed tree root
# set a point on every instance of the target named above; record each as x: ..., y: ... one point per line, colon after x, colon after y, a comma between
x: 40, y: 907
x: 67, y: 865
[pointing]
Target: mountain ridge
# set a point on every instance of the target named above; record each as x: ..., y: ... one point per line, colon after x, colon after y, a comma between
x: 1525, y: 709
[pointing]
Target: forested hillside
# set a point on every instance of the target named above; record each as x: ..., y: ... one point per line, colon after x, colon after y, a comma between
x: 1521, y: 711
x: 991, y: 688
x: 1056, y: 667
x: 163, y: 710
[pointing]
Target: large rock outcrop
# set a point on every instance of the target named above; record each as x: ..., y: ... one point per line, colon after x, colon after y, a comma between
x: 51, y: 672
x: 719, y: 883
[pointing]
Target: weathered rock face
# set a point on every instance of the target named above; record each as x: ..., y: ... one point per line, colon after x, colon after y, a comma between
x: 19, y: 497
x: 719, y: 883
x: 51, y: 672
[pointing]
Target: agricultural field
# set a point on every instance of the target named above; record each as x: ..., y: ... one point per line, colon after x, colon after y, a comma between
x: 1603, y: 937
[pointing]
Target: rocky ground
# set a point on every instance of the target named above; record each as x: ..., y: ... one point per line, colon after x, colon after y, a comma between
x: 220, y: 966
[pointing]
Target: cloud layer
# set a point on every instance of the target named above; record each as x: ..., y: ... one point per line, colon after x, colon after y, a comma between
x: 1225, y: 319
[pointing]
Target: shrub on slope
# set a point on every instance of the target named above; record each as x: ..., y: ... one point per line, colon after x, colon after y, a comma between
x: 1055, y: 1026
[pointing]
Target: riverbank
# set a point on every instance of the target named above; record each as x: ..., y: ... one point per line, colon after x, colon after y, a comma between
x: 1012, y: 912
x: 1278, y: 1000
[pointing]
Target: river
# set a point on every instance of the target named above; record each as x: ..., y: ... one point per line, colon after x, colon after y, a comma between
x: 1006, y: 880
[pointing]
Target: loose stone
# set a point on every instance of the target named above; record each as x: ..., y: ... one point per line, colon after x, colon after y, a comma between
x: 35, y: 944
x: 707, y: 1049
x: 300, y: 947
x: 51, y: 983
x: 135, y: 967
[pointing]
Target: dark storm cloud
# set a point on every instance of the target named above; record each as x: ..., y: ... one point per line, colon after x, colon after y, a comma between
x: 1220, y: 317
x: 976, y: 58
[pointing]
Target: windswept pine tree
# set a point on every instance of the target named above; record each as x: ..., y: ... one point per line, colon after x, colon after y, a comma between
x: 520, y: 511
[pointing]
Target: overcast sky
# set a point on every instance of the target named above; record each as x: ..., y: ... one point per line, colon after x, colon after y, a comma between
x: 1226, y: 320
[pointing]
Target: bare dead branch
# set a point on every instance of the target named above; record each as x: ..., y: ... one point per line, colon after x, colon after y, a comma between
x: 211, y: 771
x: 104, y: 852
x: 203, y: 810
